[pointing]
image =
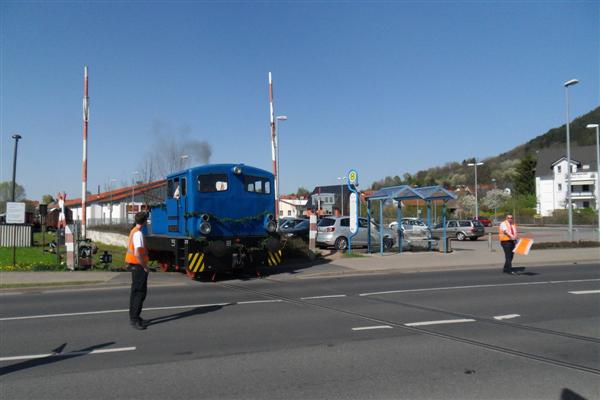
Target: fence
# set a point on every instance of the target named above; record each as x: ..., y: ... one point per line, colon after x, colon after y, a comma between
x: 18, y: 235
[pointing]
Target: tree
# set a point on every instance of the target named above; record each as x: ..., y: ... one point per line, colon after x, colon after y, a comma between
x: 302, y: 192
x: 525, y: 177
x: 495, y: 199
x: 466, y: 204
x: 6, y: 191
x: 47, y: 199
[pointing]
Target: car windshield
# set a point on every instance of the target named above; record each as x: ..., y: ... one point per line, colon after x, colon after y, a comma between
x: 290, y: 223
x: 301, y: 224
x: 327, y: 222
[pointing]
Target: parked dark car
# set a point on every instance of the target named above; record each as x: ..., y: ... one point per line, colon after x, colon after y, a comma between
x: 295, y: 227
x: 485, y: 221
x: 459, y: 229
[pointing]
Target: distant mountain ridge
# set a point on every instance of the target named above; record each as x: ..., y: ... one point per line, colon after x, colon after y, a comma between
x: 501, y: 168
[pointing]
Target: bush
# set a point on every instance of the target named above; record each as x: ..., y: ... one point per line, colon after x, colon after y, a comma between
x: 584, y: 216
x: 565, y: 245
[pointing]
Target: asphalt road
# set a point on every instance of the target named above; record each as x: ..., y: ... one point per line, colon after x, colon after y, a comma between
x: 464, y: 334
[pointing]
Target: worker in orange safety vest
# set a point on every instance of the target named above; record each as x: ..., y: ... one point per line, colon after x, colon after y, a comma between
x: 507, y: 233
x: 137, y: 260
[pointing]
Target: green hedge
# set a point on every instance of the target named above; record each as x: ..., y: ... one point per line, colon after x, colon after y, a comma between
x: 566, y: 245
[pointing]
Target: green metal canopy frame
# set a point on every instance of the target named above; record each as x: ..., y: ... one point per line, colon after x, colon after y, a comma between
x: 405, y: 192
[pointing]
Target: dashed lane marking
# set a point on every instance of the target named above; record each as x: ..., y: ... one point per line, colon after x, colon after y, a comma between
x: 507, y: 316
x: 440, y: 322
x: 323, y: 297
x: 585, y: 292
x: 73, y: 353
x: 258, y: 301
x: 366, y: 328
x: 477, y: 286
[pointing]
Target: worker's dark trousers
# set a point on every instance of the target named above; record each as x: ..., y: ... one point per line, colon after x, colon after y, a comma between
x: 508, y: 247
x: 139, y: 287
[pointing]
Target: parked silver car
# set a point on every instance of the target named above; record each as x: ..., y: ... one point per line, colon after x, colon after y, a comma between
x: 460, y: 229
x: 412, y: 227
x: 335, y: 231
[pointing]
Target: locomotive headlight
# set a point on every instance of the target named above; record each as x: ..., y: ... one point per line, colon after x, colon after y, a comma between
x: 205, y: 217
x: 237, y: 170
x: 205, y: 228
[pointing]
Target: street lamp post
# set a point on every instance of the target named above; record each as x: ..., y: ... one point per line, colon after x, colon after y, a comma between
x: 14, y: 174
x: 110, y: 181
x: 134, y: 173
x: 278, y: 118
x: 495, y: 187
x: 592, y: 126
x: 14, y: 183
x: 570, y: 206
x: 342, y: 178
x: 183, y: 158
x: 475, y: 164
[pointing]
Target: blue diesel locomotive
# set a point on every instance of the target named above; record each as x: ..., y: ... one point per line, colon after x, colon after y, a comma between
x: 215, y: 218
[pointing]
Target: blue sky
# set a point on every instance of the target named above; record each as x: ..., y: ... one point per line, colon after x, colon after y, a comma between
x: 382, y: 87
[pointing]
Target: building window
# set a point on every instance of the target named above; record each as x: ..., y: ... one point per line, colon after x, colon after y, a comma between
x: 558, y: 169
x: 281, y: 213
x: 573, y: 168
x: 586, y: 204
x: 560, y: 187
x: 585, y: 188
x: 289, y: 212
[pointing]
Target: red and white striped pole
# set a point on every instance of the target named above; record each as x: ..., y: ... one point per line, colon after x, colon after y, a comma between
x: 86, y: 114
x: 274, y: 147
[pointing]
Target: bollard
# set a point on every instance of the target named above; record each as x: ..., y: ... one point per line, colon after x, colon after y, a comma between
x: 312, y: 233
x: 490, y: 241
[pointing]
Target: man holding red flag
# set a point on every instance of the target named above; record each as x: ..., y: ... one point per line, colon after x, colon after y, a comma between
x: 507, y: 234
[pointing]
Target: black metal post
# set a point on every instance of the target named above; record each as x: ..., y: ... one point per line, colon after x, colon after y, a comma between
x: 14, y: 174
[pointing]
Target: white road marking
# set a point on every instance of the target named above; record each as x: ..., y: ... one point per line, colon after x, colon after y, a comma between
x: 585, y: 292
x: 73, y: 353
x: 112, y: 311
x: 444, y: 321
x: 507, y: 316
x: 258, y: 301
x: 477, y: 286
x: 323, y: 297
x: 365, y: 328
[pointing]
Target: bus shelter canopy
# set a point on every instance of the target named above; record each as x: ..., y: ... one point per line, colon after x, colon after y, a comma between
x: 406, y: 192
x: 428, y: 194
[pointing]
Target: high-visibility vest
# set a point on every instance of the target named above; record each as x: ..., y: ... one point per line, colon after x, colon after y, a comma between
x: 506, y: 226
x: 130, y: 257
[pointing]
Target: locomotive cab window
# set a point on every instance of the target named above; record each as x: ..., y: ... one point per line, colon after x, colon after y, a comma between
x: 257, y: 184
x: 177, y: 187
x: 212, y: 183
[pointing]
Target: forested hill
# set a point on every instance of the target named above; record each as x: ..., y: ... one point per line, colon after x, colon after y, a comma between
x: 502, y: 168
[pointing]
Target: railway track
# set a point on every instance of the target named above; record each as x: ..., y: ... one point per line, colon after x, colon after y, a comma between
x: 445, y: 336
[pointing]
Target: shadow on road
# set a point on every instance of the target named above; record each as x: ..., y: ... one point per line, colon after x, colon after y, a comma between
x: 56, y: 356
x: 568, y: 394
x: 521, y: 271
x: 184, y: 314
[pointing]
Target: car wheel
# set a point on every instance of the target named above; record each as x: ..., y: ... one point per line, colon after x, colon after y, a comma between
x: 341, y: 243
x: 388, y: 243
x: 460, y: 236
